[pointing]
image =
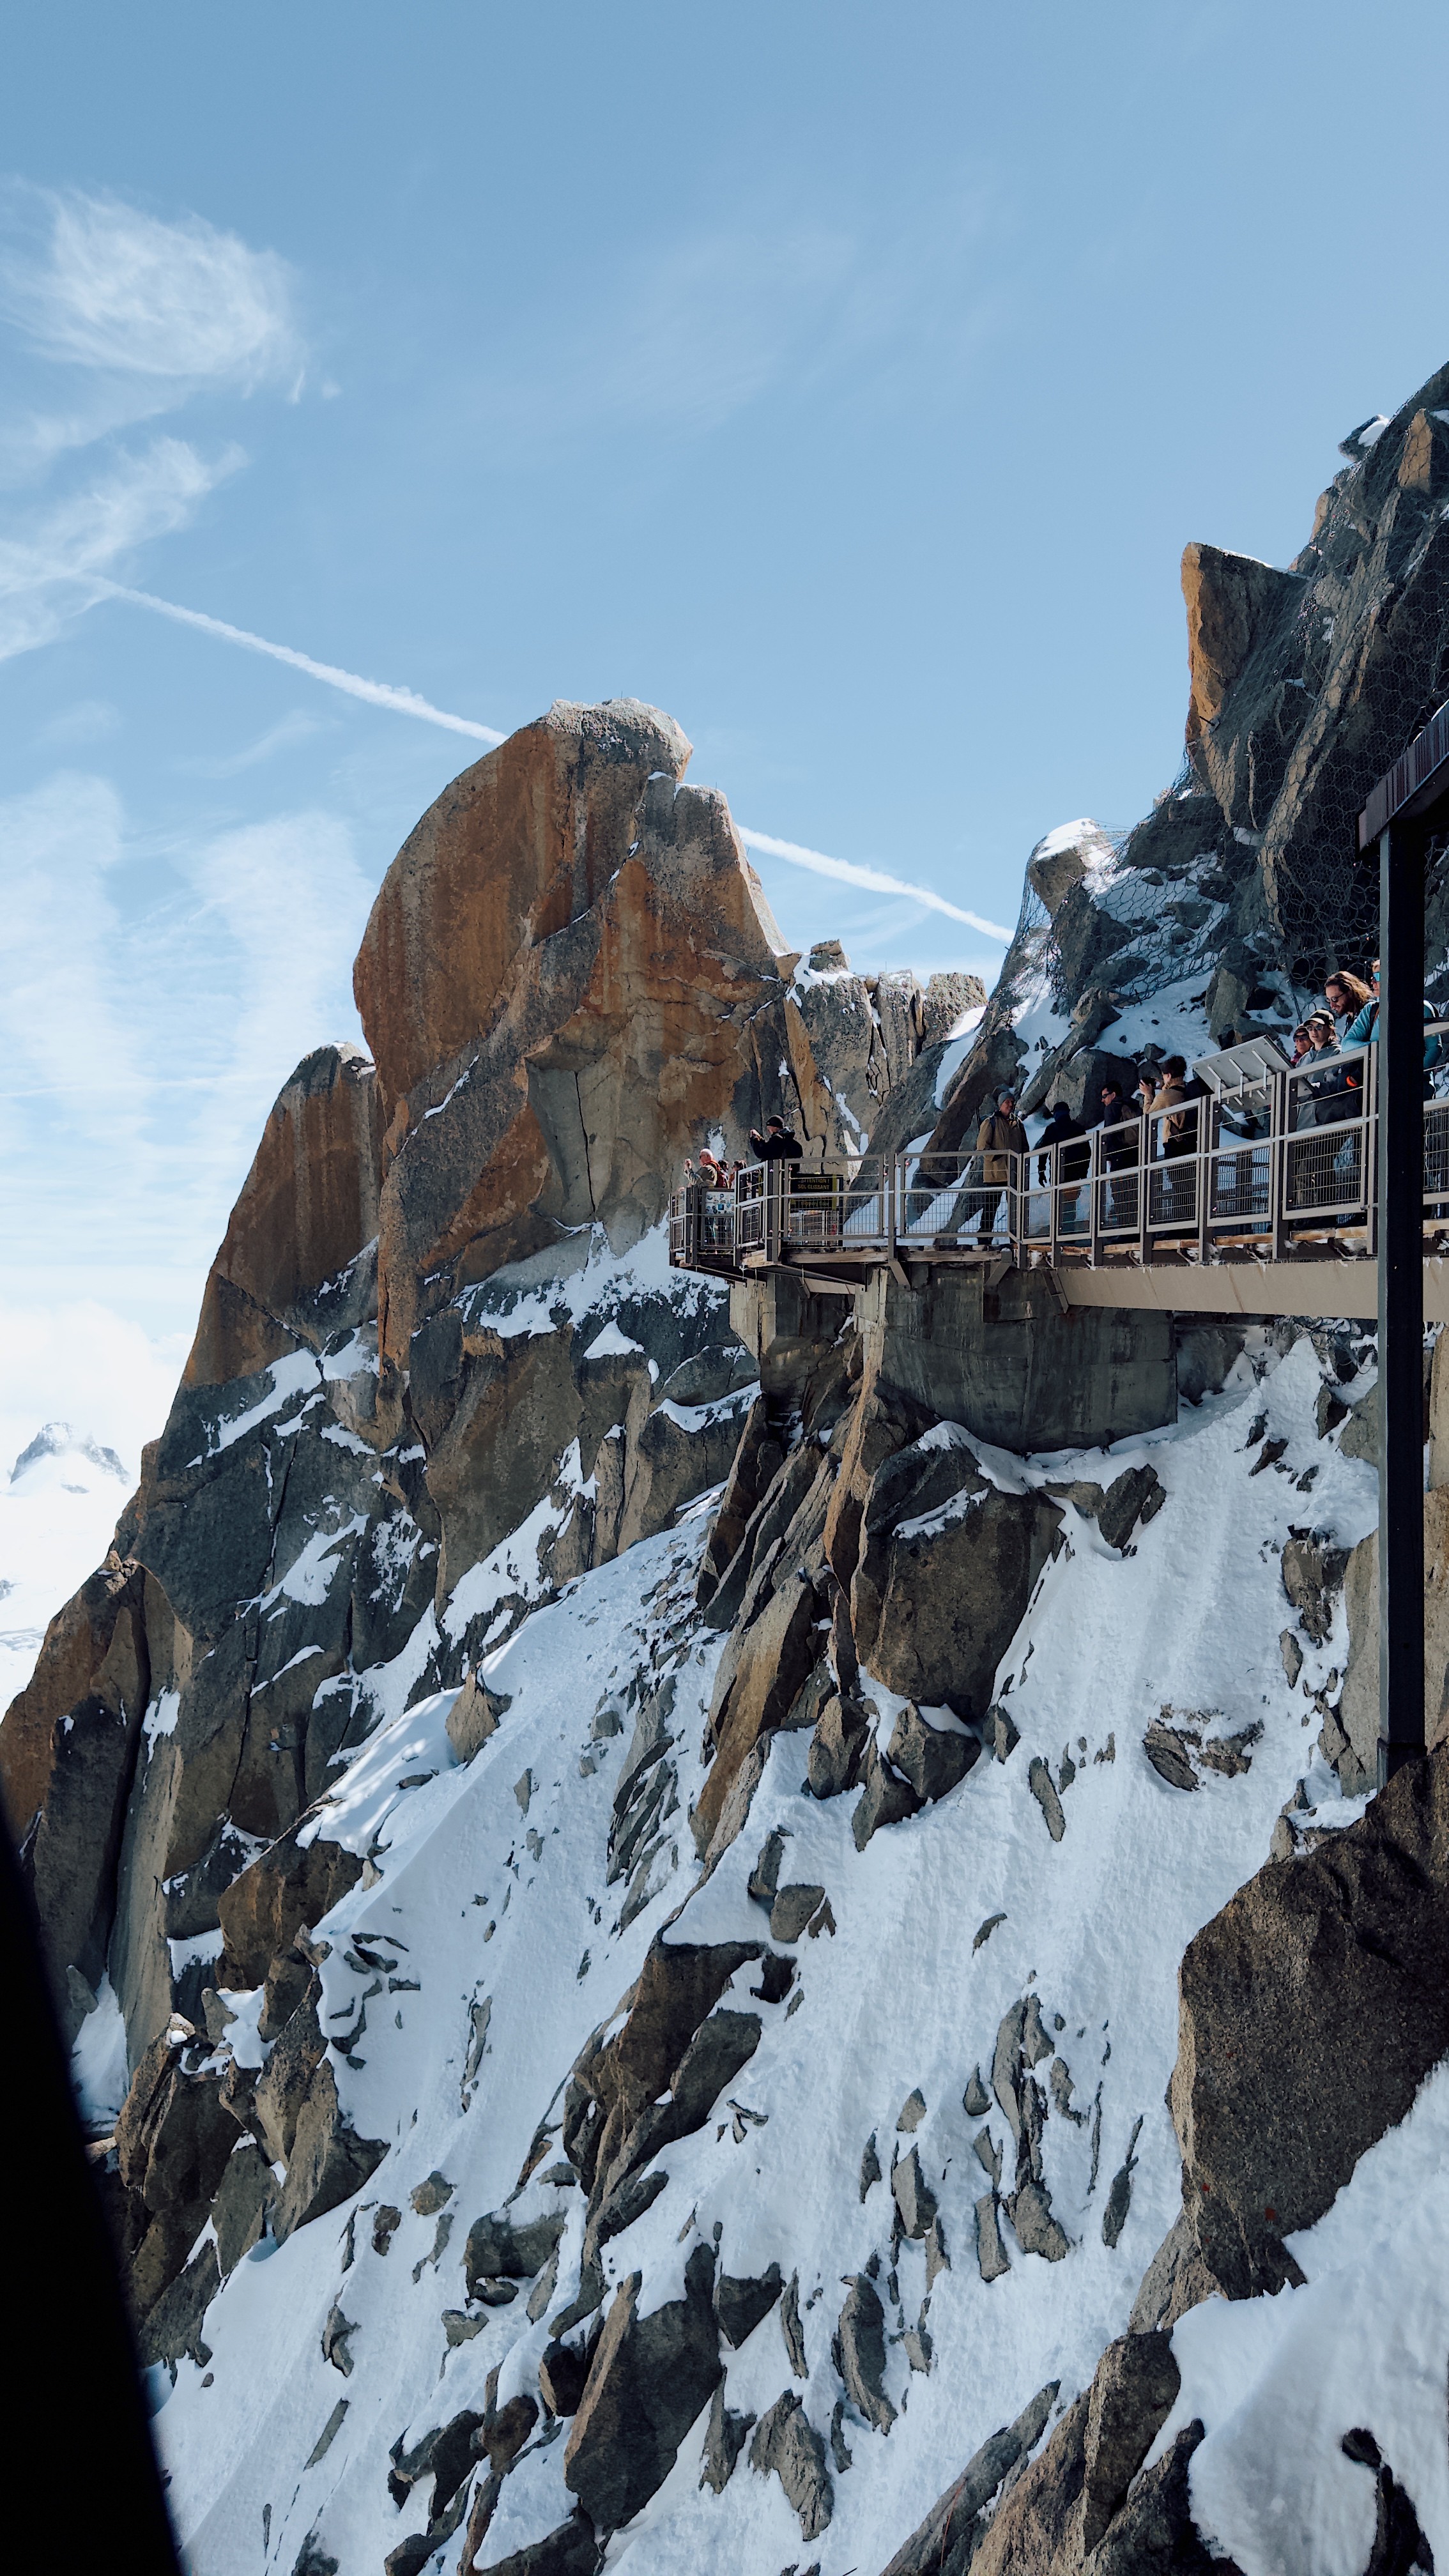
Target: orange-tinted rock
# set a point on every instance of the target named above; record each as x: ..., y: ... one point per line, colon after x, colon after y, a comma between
x: 307, y: 1207
x: 1228, y: 598
x: 512, y: 851
x: 562, y: 1086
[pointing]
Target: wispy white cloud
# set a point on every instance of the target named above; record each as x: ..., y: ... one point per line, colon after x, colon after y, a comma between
x: 289, y: 729
x: 291, y: 902
x: 149, y: 1015
x: 112, y: 317
x: 121, y: 316
x: 55, y: 565
x: 119, y: 291
x: 64, y: 1015
x: 86, y: 720
x: 764, y: 304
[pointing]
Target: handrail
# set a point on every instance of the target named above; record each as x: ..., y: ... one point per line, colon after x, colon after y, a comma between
x: 1194, y: 1181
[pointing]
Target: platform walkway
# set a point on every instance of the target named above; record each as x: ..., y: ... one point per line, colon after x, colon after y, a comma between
x: 1264, y: 1202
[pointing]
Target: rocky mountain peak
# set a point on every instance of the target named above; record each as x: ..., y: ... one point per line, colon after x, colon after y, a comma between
x: 513, y: 851
x: 57, y: 1441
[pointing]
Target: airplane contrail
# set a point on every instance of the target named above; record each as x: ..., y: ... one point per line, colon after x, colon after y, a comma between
x: 406, y: 702
x: 877, y: 879
x: 377, y: 693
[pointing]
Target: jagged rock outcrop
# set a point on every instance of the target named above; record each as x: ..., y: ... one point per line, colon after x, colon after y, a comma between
x: 1232, y: 602
x: 863, y: 1036
x: 559, y: 981
x: 651, y: 2376
x: 295, y: 1262
x: 1312, y: 2007
x: 947, y: 1565
x: 67, y: 1756
x: 948, y: 2538
x: 1305, y: 685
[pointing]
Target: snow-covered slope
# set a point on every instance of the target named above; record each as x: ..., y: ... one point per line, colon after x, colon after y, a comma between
x: 490, y: 1908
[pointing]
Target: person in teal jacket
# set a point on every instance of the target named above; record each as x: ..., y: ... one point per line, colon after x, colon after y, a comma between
x: 1363, y: 1028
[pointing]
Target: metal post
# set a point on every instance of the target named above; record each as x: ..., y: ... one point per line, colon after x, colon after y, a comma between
x: 1401, y: 1295
x: 1280, y: 1163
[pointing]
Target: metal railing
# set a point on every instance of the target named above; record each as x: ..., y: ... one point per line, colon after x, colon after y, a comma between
x: 1293, y: 1159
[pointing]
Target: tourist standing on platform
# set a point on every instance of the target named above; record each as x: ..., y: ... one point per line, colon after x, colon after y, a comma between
x: 777, y: 1145
x: 1073, y: 1157
x: 1121, y: 1152
x: 998, y: 1137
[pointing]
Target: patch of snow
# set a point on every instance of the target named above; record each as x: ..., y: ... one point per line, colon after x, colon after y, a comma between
x: 1278, y: 2382
x: 311, y: 1574
x: 98, y: 2063
x: 1084, y: 834
x: 286, y: 1379
x: 160, y: 1718
x: 358, y: 1353
x: 953, y: 1057
x: 1173, y: 1019
x: 348, y: 1440
x: 611, y: 1344
x: 695, y: 1417
x: 569, y: 1281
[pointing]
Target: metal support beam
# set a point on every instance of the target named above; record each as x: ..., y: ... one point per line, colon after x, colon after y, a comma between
x: 1400, y: 1082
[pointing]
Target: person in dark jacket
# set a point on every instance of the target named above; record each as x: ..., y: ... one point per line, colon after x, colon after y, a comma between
x: 1073, y: 1157
x: 777, y: 1145
x: 1121, y: 1150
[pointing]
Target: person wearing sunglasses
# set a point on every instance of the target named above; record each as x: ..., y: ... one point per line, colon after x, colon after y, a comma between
x: 1363, y: 1028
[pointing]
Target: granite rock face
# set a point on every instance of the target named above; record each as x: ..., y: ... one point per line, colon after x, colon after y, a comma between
x: 946, y: 1567
x: 292, y: 1268
x: 1312, y: 2008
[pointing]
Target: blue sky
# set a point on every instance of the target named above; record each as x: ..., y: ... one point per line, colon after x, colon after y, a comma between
x: 845, y: 379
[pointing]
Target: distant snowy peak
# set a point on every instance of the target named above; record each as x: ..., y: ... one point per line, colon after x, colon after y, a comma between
x: 58, y: 1442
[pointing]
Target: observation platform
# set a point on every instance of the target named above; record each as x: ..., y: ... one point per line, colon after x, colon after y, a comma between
x: 1258, y: 1197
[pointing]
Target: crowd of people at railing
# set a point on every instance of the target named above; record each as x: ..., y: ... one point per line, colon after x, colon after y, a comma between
x: 1157, y: 1124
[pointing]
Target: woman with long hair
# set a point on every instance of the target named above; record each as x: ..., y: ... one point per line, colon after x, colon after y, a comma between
x: 1347, y: 995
